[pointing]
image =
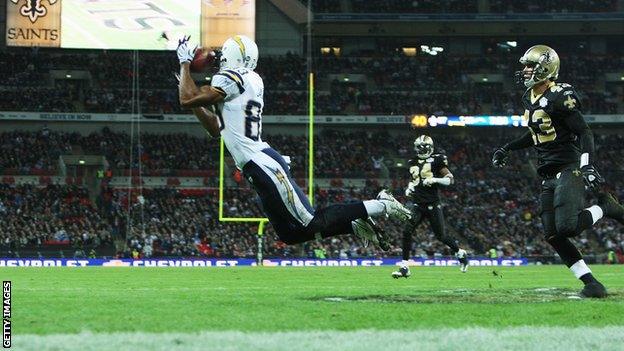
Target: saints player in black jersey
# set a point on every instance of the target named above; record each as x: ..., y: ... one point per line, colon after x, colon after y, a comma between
x: 428, y: 172
x: 565, y: 148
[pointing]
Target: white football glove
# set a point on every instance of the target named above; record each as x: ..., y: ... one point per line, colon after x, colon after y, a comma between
x: 428, y: 181
x: 411, y: 186
x: 185, y: 51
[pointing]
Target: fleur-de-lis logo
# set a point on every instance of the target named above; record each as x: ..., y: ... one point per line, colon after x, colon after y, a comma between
x: 33, y: 9
x: 546, y: 57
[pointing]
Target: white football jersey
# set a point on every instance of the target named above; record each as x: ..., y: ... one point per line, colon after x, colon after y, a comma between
x: 240, y: 114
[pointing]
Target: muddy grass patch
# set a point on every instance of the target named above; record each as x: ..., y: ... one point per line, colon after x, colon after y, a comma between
x: 471, y: 296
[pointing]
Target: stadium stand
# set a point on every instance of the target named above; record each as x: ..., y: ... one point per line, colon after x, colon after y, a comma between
x: 462, y: 6
x: 174, y: 221
x: 386, y: 90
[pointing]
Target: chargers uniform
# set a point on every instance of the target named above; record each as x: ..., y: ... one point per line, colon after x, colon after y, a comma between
x: 240, y: 119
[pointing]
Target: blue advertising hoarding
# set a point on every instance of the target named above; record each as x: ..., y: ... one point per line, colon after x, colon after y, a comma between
x: 213, y: 262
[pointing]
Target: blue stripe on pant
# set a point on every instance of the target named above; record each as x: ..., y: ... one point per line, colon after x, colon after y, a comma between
x: 302, y: 197
x: 289, y: 229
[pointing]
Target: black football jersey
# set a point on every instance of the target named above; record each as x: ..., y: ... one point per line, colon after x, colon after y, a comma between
x: 420, y: 169
x: 557, y: 146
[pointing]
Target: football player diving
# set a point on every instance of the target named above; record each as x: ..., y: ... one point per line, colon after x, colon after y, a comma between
x: 565, y: 157
x: 428, y: 172
x: 231, y: 108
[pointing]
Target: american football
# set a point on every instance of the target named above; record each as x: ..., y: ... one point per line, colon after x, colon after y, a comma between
x: 202, y: 60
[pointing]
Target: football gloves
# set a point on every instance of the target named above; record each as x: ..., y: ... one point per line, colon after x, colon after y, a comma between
x: 185, y: 51
x: 591, y: 177
x: 499, y: 159
x: 429, y: 181
x: 411, y: 186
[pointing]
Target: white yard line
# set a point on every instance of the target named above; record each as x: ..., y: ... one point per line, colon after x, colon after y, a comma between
x: 512, y: 338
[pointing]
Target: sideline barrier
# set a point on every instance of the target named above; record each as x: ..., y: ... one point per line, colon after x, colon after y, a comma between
x: 294, y: 262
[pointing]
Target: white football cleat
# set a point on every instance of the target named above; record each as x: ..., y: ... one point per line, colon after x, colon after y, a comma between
x: 363, y: 230
x: 369, y: 231
x: 403, y: 272
x: 394, y: 208
x: 462, y: 257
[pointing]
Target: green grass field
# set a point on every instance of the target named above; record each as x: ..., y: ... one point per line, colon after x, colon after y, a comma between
x: 255, y: 308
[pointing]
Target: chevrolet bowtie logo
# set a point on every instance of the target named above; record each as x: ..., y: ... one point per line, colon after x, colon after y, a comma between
x: 33, y: 9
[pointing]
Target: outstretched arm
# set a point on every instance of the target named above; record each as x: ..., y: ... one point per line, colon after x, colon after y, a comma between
x: 209, y: 120
x: 207, y: 117
x: 522, y: 142
x: 446, y: 179
x: 191, y: 96
x: 499, y: 159
x: 577, y: 124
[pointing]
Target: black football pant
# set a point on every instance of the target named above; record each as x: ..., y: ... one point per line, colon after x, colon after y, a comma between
x: 561, y: 208
x: 432, y: 212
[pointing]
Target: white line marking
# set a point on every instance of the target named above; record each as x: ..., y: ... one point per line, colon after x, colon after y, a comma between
x: 512, y: 338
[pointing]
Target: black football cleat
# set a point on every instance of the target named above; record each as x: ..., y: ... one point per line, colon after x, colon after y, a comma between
x: 594, y: 290
x: 611, y: 207
x: 370, y: 232
x: 462, y: 257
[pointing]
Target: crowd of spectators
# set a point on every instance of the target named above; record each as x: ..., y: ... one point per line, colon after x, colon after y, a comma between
x: 50, y: 215
x: 462, y: 6
x: 394, y: 83
x: 416, y: 6
x: 486, y: 208
x: 33, y: 152
x: 338, y: 153
x: 553, y: 6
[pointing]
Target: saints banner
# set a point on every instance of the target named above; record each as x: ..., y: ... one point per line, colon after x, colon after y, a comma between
x: 33, y: 23
x: 126, y: 24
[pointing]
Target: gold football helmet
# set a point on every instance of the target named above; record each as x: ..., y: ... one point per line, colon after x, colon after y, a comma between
x: 541, y: 63
x: 423, y: 145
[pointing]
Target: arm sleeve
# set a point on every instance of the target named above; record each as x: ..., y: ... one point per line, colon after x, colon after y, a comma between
x: 229, y: 83
x: 577, y: 124
x: 524, y: 141
x: 569, y: 105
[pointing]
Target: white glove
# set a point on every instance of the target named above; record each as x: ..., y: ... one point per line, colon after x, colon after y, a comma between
x: 288, y: 160
x: 185, y: 52
x: 411, y: 186
x: 429, y: 181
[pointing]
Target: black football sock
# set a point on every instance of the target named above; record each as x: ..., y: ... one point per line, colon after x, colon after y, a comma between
x: 451, y: 244
x: 407, y: 244
x: 585, y: 221
x: 336, y: 219
x: 588, y: 278
x: 338, y: 229
x: 567, y: 251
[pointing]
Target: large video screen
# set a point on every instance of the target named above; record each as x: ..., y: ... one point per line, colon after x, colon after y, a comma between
x: 128, y: 24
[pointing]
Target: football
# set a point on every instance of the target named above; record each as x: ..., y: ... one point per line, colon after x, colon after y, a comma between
x: 202, y: 60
